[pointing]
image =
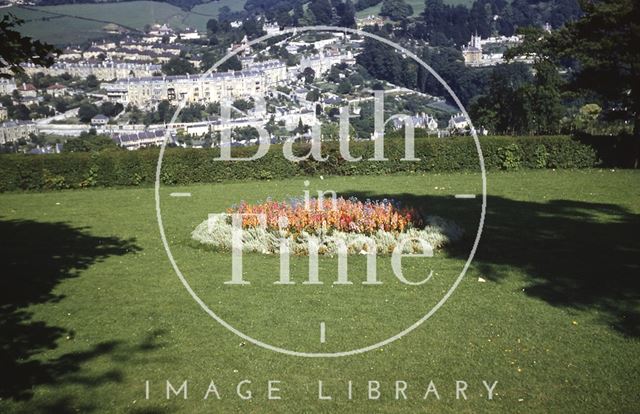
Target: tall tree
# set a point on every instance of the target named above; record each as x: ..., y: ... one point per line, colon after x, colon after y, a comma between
x: 347, y: 14
x: 602, y: 48
x: 178, y: 66
x: 605, y: 42
x: 322, y: 11
x: 212, y: 26
x: 396, y: 9
x: 16, y: 49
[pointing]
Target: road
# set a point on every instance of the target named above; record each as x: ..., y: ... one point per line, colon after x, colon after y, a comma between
x: 60, y: 117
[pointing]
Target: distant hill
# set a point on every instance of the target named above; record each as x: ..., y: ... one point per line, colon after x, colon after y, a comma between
x: 182, y: 4
x: 79, y: 23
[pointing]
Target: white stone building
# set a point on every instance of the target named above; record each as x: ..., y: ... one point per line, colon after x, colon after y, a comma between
x: 27, y: 90
x: 12, y: 131
x: 104, y: 71
x: 100, y: 120
x: 271, y: 28
x: 472, y: 52
x: 322, y: 62
x: 421, y: 120
x: 199, y: 89
x: 57, y: 90
x: 458, y: 121
x: 7, y: 86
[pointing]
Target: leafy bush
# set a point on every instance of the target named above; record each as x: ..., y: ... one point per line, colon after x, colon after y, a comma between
x: 510, y: 157
x: 187, y: 166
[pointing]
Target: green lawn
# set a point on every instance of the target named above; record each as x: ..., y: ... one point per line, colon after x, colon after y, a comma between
x: 91, y: 307
x: 64, y: 23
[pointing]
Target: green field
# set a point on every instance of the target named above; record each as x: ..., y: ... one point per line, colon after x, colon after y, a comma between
x: 91, y: 308
x: 418, y: 7
x: 66, y: 24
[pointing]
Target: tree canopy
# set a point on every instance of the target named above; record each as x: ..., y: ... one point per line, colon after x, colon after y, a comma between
x: 178, y: 66
x: 16, y: 49
x: 396, y: 9
x: 600, y: 53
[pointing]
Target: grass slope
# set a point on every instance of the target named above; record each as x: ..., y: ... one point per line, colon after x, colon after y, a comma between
x: 63, y: 24
x: 418, y: 7
x: 91, y: 308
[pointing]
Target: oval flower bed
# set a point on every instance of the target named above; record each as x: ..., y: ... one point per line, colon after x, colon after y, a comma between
x: 354, y: 222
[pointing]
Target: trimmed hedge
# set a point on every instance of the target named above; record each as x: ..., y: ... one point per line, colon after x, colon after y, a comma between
x: 187, y: 166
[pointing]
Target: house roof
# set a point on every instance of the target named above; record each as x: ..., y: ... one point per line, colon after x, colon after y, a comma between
x: 100, y: 116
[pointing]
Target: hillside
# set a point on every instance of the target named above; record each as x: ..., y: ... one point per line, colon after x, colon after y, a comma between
x: 182, y: 4
x: 76, y: 23
x: 417, y: 5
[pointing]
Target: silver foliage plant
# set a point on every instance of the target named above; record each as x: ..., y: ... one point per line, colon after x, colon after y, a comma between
x: 216, y: 232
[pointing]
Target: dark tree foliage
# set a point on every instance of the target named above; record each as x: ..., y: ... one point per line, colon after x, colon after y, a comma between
x: 396, y: 9
x: 163, y: 113
x: 87, y: 111
x: 16, y: 49
x: 606, y: 43
x: 346, y: 14
x: 20, y: 112
x: 252, y: 28
x: 313, y: 96
x: 111, y: 109
x: 245, y: 133
x: 600, y: 52
x: 444, y: 24
x: 344, y: 87
x: 365, y: 4
x: 178, y: 66
x: 284, y: 19
x: 89, y: 142
x: 518, y: 102
x: 212, y: 26
x: 92, y: 82
x: 383, y: 62
x: 308, y: 74
x: 272, y: 8
x: 322, y: 11
x: 233, y: 63
x: 192, y: 113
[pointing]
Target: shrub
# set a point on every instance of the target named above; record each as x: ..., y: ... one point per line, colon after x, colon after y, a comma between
x: 187, y: 166
x: 510, y: 157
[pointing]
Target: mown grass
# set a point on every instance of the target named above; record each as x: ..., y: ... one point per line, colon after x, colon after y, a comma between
x: 91, y: 308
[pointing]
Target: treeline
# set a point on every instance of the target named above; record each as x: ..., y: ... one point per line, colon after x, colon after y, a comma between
x: 286, y: 12
x: 578, y: 80
x: 442, y: 24
x: 383, y: 62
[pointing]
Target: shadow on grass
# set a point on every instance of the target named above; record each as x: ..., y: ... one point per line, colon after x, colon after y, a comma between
x: 574, y: 254
x: 36, y: 258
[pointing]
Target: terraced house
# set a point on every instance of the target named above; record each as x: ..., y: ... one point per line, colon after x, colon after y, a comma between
x: 198, y: 89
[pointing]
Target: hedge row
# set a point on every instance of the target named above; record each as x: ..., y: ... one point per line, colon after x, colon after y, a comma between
x: 186, y: 166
